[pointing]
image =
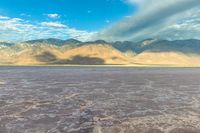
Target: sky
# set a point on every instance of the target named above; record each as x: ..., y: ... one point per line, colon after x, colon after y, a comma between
x: 111, y: 20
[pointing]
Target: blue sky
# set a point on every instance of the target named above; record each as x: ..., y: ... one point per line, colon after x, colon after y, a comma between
x: 90, y: 15
x: 111, y: 20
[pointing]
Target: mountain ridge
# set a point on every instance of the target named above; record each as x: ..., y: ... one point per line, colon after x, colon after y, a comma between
x: 138, y: 47
x: 55, y: 51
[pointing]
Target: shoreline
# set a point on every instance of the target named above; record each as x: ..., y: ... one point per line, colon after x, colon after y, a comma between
x: 103, y: 66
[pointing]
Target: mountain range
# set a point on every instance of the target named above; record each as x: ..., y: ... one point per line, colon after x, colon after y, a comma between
x: 148, y: 52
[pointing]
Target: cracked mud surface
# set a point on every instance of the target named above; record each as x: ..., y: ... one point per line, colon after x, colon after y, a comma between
x: 99, y: 100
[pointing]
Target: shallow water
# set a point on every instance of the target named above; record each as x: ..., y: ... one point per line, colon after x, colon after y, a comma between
x: 99, y: 100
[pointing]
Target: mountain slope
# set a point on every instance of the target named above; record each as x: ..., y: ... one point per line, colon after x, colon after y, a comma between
x: 167, y: 58
x: 100, y: 52
x: 25, y: 54
x: 191, y: 46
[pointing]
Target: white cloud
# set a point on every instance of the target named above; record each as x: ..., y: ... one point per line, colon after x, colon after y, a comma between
x: 155, y: 18
x: 80, y: 34
x: 53, y: 16
x: 185, y: 26
x: 16, y: 29
x: 53, y: 24
x: 4, y: 17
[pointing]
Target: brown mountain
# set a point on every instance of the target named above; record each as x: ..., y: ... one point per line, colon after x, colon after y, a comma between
x: 167, y: 58
x: 92, y: 54
x: 58, y: 52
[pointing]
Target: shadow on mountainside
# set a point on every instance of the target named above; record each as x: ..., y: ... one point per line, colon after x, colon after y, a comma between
x: 46, y: 57
x: 49, y: 58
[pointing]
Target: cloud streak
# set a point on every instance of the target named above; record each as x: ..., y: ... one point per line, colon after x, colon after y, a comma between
x: 53, y: 25
x: 151, y: 19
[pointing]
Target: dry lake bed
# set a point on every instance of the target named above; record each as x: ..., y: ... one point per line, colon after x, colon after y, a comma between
x: 99, y: 100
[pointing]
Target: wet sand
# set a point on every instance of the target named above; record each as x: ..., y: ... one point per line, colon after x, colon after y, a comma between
x: 99, y: 100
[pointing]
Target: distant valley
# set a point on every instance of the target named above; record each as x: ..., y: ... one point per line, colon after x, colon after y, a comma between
x: 149, y: 52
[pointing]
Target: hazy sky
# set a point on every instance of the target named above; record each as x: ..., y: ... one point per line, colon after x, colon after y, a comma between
x: 111, y: 20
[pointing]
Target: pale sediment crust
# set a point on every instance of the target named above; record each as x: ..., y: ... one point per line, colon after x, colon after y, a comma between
x: 149, y: 124
x: 155, y: 124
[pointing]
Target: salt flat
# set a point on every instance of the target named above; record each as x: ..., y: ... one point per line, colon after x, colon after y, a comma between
x: 99, y: 100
